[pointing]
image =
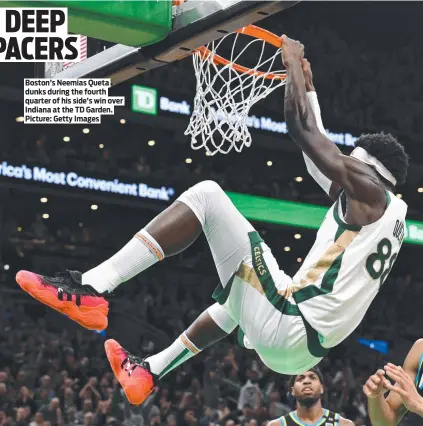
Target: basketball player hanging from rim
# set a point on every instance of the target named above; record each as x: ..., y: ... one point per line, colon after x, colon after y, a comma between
x: 290, y: 322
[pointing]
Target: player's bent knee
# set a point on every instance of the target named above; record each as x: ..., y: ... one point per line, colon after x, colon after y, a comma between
x: 208, y: 201
x: 208, y: 187
x: 222, y: 318
x: 201, y: 197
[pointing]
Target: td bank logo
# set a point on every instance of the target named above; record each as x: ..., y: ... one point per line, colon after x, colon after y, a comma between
x: 144, y: 99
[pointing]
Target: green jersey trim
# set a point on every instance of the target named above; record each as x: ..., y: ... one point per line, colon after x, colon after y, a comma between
x: 340, y: 222
x: 328, y: 281
x: 419, y: 376
x: 345, y: 226
x: 221, y: 295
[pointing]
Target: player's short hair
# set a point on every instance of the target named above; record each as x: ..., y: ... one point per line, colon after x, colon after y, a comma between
x: 315, y: 370
x: 387, y: 149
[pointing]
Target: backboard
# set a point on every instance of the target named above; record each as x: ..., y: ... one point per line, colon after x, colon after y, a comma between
x: 194, y: 23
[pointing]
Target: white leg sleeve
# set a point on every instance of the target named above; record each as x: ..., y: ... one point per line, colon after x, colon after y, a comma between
x: 223, y: 225
x: 221, y: 317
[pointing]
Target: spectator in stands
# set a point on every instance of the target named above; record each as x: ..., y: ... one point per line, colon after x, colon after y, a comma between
x: 38, y: 231
x: 52, y: 412
x: 250, y: 394
x: 26, y: 400
x: 22, y: 416
x: 141, y: 168
x: 38, y: 420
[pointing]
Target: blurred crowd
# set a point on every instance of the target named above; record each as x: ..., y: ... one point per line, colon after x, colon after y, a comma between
x: 51, y: 377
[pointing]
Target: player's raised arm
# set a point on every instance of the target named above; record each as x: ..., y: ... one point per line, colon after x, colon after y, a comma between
x: 331, y: 188
x: 345, y: 171
x: 404, y: 395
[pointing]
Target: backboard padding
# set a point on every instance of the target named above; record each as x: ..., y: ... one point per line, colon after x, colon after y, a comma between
x: 195, y: 23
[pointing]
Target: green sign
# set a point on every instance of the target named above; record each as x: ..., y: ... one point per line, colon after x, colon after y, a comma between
x: 300, y: 215
x: 144, y: 100
x: 132, y: 23
x: 414, y: 232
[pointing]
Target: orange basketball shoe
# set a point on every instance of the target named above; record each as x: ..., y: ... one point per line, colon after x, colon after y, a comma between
x: 66, y: 294
x: 132, y: 372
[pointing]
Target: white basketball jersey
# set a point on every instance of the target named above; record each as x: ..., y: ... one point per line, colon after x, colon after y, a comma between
x: 345, y: 269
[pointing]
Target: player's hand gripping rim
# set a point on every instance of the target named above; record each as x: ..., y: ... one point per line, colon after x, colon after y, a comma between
x: 292, y: 51
x: 308, y: 75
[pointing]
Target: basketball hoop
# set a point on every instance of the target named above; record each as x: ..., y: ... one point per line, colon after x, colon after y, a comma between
x: 226, y: 90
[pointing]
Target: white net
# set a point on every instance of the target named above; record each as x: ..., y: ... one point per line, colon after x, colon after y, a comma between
x: 226, y: 92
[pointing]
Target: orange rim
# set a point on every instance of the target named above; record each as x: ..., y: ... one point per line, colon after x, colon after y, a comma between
x: 252, y: 31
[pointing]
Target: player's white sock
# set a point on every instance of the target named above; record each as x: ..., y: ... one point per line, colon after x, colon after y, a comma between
x: 139, y: 254
x: 178, y: 352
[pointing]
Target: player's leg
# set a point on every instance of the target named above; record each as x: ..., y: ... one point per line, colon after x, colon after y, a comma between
x: 172, y: 231
x: 205, y: 207
x: 139, y: 377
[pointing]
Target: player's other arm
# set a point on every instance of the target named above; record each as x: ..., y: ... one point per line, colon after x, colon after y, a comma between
x: 403, y: 396
x: 344, y: 171
x: 331, y: 188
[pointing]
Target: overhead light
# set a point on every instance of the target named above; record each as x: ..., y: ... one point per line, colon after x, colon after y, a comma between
x: 399, y: 195
x: 208, y: 153
x: 151, y: 143
x: 94, y: 207
x: 299, y: 260
x: 298, y: 179
x: 101, y: 146
x: 80, y: 224
x: 19, y: 119
x: 188, y: 160
x: 287, y: 248
x: 46, y: 215
x: 19, y: 229
x: 86, y: 130
x: 297, y: 236
x: 66, y: 139
x: 419, y: 189
x: 6, y: 267
x: 44, y: 199
x: 122, y: 121
x: 269, y: 163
